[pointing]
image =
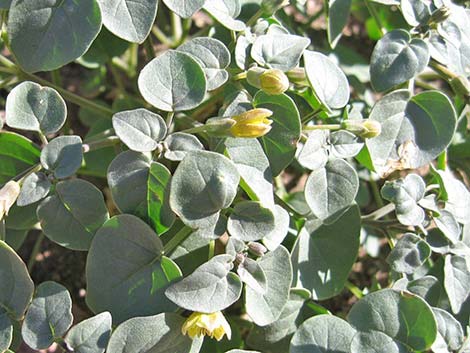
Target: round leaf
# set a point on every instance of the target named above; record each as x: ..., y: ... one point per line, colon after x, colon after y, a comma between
x: 376, y: 342
x: 49, y: 316
x: 157, y: 334
x: 173, y: 81
x: 402, y: 316
x: 35, y: 187
x: 330, y: 191
x: 396, y: 59
x: 91, y: 335
x: 63, y: 156
x: 250, y: 221
x: 409, y: 254
x: 179, y: 143
x: 159, y: 212
x: 327, y: 80
x: 131, y: 20
x: 46, y: 35
x: 225, y: 11
x: 323, y: 334
x: 17, y: 286
x: 6, y: 331
x: 73, y: 214
x: 30, y: 106
x: 266, y: 308
x: 140, y: 129
x: 132, y: 282
x: 184, y: 8
x: 210, y: 288
x: 212, y: 187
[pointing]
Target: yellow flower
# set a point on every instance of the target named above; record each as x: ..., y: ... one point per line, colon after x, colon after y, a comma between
x: 214, y: 325
x: 274, y: 82
x: 253, y: 123
x: 8, y: 195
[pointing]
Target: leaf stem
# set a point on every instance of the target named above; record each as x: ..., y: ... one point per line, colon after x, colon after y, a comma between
x: 381, y: 212
x: 148, y: 46
x: 176, y: 28
x: 169, y: 119
x: 354, y: 290
x: 35, y: 251
x: 177, y: 239
x: 322, y: 127
x: 254, y: 18
x: 161, y: 36
x: 103, y: 143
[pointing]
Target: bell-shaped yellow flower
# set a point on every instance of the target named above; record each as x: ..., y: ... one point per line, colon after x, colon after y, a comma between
x: 213, y: 325
x: 253, y: 123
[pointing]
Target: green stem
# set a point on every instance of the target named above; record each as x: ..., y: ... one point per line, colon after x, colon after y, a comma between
x: 43, y: 138
x: 211, y: 249
x: 177, y: 239
x: 354, y: 290
x: 254, y: 18
x: 305, y: 119
x: 195, y: 130
x: 375, y: 16
x: 117, y: 77
x: 161, y: 36
x: 35, y: 251
x: 3, y: 233
x: 376, y: 192
x: 442, y: 70
x: 169, y: 120
x: 322, y: 127
x: 148, y: 46
x: 71, y: 97
x: 56, y: 79
x: 442, y: 161
x: 240, y: 76
x: 176, y: 28
x: 381, y: 212
x: 98, y: 144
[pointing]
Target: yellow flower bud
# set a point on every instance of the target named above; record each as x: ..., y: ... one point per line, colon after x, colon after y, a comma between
x: 253, y: 123
x: 213, y: 325
x: 8, y: 195
x: 364, y: 128
x: 274, y: 82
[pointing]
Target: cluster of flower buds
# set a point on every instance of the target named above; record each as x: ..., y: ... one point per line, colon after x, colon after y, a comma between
x: 250, y: 124
x: 271, y: 81
x: 8, y: 195
x: 365, y: 128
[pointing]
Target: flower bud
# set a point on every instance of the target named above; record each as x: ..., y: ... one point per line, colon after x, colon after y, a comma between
x: 461, y: 86
x: 272, y: 81
x: 297, y: 76
x: 271, y: 6
x: 8, y: 195
x: 219, y: 126
x: 253, y: 123
x: 364, y: 128
x: 257, y: 249
x: 439, y: 15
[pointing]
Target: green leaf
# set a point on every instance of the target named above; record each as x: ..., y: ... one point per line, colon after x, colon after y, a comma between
x: 457, y: 196
x: 280, y: 51
x: 30, y: 106
x: 46, y: 35
x: 159, y: 211
x: 73, y: 214
x: 184, y: 8
x: 35, y: 187
x: 376, y: 342
x: 15, y: 238
x: 402, y: 316
x: 173, y: 81
x: 17, y: 286
x: 22, y: 218
x: 132, y: 282
x: 252, y: 274
x: 250, y: 221
x: 128, y: 175
x: 405, y: 194
x: 198, y: 200
x: 156, y: 334
x: 448, y: 225
x: 313, y: 154
x: 6, y: 331
x: 456, y: 281
x: 213, y: 56
x: 416, y: 12
x: 280, y: 143
x: 323, y: 334
x: 338, y: 16
x: 91, y: 335
x: 449, y: 329
x: 225, y: 12
x: 49, y: 316
x: 409, y: 254
x: 320, y: 265
x: 210, y: 288
x: 266, y: 308
x: 253, y: 166
x: 276, y: 337
x: 131, y: 20
x: 63, y: 156
x: 396, y: 59
x: 281, y: 227
x: 140, y: 129
x: 344, y: 144
x: 328, y: 82
x: 415, y: 130
x: 330, y: 191
x: 17, y: 154
x: 179, y: 144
